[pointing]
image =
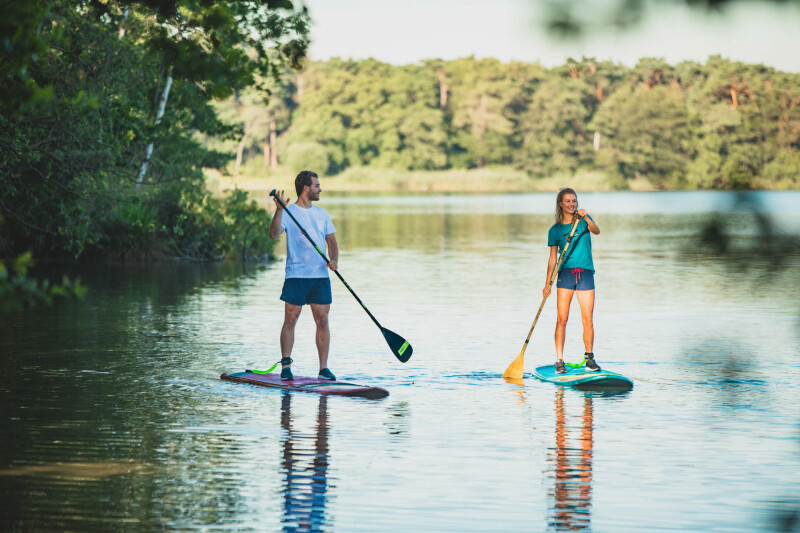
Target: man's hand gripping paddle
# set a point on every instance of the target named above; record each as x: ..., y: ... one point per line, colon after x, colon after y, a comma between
x: 399, y: 346
x: 516, y: 369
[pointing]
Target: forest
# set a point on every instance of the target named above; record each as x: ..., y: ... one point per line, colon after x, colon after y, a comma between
x: 104, y: 107
x: 718, y: 125
x: 114, y: 112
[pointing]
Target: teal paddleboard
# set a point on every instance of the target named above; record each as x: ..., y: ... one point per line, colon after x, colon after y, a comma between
x: 582, y: 379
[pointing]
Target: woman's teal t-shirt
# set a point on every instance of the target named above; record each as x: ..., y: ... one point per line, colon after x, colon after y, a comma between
x: 579, y: 254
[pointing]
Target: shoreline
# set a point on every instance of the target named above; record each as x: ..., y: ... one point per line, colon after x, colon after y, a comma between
x: 486, y: 180
x: 477, y: 181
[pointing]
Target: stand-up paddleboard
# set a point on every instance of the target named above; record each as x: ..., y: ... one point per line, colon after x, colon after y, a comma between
x: 320, y: 386
x: 583, y: 379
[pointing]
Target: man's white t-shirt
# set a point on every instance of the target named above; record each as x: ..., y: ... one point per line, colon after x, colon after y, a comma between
x: 302, y: 260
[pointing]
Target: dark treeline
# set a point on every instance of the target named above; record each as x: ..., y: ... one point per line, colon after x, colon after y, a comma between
x: 102, y: 108
x: 718, y: 125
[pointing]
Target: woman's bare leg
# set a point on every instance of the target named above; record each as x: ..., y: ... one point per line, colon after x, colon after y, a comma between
x: 563, y: 299
x: 586, y: 301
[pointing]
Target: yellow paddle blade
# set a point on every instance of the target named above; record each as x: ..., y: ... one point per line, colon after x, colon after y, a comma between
x: 516, y: 369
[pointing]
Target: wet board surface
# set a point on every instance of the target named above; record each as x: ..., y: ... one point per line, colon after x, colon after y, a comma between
x: 583, y: 379
x: 305, y: 384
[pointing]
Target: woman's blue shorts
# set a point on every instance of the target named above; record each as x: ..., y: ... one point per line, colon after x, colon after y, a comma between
x: 301, y: 291
x: 575, y: 279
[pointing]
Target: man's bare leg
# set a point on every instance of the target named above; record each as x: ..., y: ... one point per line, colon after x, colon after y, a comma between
x: 320, y: 312
x: 290, y: 316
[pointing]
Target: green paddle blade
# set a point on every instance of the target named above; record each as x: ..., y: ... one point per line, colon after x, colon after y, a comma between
x: 399, y: 346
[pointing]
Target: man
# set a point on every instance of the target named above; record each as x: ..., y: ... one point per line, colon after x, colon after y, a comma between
x: 307, y: 281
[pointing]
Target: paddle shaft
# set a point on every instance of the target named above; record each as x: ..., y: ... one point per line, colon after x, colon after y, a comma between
x: 552, y: 279
x: 325, y: 257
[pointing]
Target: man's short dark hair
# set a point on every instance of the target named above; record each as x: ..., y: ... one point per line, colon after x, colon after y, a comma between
x: 303, y: 179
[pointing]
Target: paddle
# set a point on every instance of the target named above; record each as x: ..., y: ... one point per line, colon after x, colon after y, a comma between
x: 399, y: 346
x: 516, y: 369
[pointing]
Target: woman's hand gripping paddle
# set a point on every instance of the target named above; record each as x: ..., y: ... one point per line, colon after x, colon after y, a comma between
x: 399, y: 346
x: 516, y: 369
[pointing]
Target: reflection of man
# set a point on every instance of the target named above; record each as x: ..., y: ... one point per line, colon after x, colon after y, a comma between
x: 306, y: 488
x: 573, y: 476
x: 307, y: 280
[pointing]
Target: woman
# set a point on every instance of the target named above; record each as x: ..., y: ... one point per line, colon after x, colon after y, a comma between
x: 576, y: 274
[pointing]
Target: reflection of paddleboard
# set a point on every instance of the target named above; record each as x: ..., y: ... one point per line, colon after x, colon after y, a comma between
x: 583, y: 379
x: 320, y: 386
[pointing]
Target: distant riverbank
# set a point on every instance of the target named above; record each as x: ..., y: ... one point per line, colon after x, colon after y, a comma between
x: 485, y: 180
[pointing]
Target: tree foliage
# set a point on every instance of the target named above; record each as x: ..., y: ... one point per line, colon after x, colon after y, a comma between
x: 723, y: 124
x: 18, y: 289
x: 81, y: 84
x: 570, y: 20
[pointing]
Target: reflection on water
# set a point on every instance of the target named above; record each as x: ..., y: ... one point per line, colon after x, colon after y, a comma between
x: 113, y: 416
x: 305, y: 470
x: 571, y: 469
x: 75, y: 471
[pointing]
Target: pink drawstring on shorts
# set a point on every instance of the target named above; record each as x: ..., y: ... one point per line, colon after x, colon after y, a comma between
x: 577, y: 272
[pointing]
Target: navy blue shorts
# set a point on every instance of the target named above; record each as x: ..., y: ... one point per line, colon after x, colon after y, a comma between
x: 301, y: 291
x: 575, y: 279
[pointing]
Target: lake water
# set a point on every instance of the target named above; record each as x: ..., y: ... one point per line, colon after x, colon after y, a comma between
x: 113, y: 416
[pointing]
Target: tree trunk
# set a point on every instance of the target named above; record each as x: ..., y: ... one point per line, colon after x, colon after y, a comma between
x: 482, y: 122
x: 266, y: 152
x: 734, y: 96
x: 444, y: 88
x: 160, y: 113
x: 273, y: 137
x: 596, y: 143
x: 239, y: 154
x: 481, y: 125
x: 121, y: 32
x: 299, y: 89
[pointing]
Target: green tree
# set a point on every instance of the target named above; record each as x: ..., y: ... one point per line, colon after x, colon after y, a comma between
x: 481, y: 93
x: 411, y: 124
x: 369, y: 113
x: 748, y: 130
x: 647, y: 134
x: 554, y: 128
x: 720, y: 124
x: 72, y: 166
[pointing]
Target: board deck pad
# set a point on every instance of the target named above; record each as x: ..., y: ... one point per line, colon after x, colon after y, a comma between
x: 306, y: 384
x: 583, y: 379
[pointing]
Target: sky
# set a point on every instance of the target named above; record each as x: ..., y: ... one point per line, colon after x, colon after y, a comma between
x: 408, y: 31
